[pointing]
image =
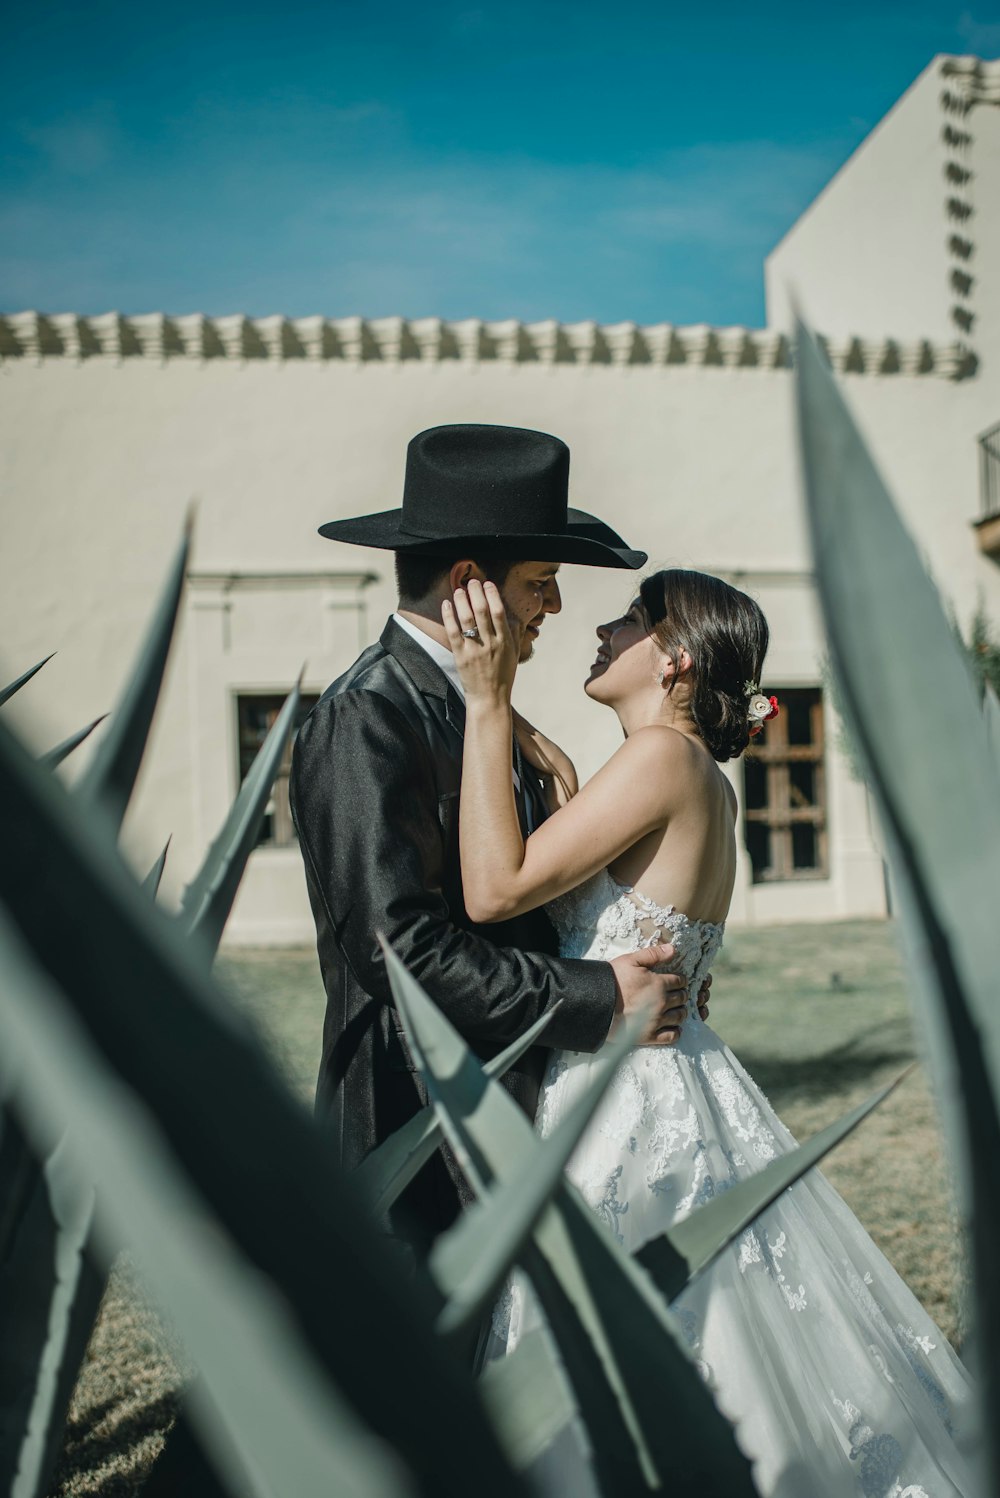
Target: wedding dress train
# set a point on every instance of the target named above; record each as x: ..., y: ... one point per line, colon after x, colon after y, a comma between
x: 837, y: 1380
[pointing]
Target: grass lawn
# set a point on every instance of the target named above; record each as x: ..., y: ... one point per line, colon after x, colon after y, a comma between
x: 817, y: 1014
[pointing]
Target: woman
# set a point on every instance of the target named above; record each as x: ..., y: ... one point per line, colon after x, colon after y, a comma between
x: 837, y: 1378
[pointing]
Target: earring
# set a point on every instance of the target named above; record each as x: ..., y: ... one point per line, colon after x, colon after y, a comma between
x: 660, y: 676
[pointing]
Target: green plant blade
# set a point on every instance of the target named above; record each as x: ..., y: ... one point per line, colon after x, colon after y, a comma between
x: 290, y: 1428
x: 50, y: 1299
x: 674, y: 1258
x: 15, y: 686
x: 528, y: 1398
x: 54, y: 757
x: 470, y: 1261
x: 934, y: 779
x: 110, y: 777
x: 209, y: 897
x: 151, y: 883
x: 388, y: 1170
x: 621, y: 1459
x: 19, y: 1172
x: 231, y: 1133
x: 635, y: 1336
x: 991, y: 717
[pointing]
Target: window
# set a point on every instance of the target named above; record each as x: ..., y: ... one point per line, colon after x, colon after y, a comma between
x: 255, y: 714
x: 785, y: 792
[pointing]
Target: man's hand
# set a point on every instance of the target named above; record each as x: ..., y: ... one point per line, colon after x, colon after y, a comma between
x: 662, y: 995
x: 704, y: 995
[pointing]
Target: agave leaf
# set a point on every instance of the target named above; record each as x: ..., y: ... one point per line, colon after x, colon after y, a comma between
x: 622, y: 1462
x: 934, y: 779
x: 209, y: 897
x: 15, y: 686
x: 50, y: 1299
x: 19, y: 1172
x: 181, y: 1467
x: 528, y: 1398
x: 151, y: 883
x: 674, y: 1258
x: 226, y: 1156
x: 991, y: 717
x: 291, y: 1428
x: 634, y: 1334
x: 54, y: 757
x: 390, y: 1168
x: 110, y: 777
x: 469, y: 1261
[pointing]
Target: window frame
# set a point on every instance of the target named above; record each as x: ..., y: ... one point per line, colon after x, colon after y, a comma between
x: 779, y: 815
x: 278, y: 806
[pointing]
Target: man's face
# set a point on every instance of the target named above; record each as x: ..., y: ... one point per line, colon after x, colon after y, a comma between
x: 529, y: 593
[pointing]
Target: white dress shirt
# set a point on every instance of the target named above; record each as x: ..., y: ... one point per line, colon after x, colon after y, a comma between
x: 439, y: 654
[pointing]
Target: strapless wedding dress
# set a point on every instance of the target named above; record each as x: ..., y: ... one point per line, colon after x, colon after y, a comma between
x: 836, y: 1378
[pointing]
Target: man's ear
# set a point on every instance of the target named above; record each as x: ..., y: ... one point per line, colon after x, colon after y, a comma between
x: 461, y: 573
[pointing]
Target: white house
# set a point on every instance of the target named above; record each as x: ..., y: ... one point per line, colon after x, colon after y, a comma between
x: 682, y: 437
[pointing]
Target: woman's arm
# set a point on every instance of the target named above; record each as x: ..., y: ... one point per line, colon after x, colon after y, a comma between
x: 501, y: 875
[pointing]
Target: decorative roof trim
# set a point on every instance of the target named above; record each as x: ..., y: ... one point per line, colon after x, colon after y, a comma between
x: 969, y: 81
x: 393, y: 340
x: 978, y: 80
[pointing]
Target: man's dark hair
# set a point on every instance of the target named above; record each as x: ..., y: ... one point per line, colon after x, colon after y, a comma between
x: 417, y: 575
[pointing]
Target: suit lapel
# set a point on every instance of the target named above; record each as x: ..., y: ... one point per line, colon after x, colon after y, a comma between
x: 432, y: 682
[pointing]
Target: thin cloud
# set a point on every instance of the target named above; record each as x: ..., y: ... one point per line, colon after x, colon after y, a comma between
x: 682, y: 241
x: 77, y: 145
x: 982, y: 36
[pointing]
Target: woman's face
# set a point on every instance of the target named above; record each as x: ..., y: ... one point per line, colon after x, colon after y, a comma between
x: 628, y: 658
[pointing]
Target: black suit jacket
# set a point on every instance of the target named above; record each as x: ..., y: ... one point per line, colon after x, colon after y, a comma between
x: 375, y: 782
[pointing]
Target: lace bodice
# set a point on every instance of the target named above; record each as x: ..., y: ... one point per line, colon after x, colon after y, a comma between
x: 602, y: 919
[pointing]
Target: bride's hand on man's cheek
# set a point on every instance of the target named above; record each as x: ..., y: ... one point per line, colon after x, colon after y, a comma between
x: 475, y: 623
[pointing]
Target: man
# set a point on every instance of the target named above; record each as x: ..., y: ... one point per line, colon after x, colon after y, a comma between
x: 374, y: 791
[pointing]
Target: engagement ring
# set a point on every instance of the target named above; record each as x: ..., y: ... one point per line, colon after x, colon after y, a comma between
x: 470, y: 634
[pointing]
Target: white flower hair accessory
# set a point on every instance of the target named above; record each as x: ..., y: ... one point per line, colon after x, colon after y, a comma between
x: 760, y: 709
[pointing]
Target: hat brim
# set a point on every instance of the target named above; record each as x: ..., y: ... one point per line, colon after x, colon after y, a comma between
x: 586, y: 541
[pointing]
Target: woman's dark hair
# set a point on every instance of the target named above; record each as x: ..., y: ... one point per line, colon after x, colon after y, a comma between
x: 418, y: 575
x: 726, y: 636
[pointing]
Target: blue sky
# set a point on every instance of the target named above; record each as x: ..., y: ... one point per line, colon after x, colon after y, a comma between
x: 528, y: 160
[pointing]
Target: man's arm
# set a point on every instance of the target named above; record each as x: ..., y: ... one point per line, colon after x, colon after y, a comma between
x: 366, y: 808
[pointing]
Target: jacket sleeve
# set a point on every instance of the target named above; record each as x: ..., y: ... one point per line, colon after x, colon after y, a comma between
x: 364, y: 796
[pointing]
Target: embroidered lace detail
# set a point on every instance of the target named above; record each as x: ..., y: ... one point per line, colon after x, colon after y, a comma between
x: 602, y: 914
x: 879, y: 1457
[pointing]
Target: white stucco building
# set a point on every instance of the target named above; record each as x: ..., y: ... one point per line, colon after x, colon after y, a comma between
x: 681, y: 437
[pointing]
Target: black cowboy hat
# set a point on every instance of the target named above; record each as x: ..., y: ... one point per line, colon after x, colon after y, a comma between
x: 498, y: 491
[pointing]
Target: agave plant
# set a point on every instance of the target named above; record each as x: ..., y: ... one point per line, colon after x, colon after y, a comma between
x: 932, y: 760
x: 50, y: 1284
x: 140, y: 1112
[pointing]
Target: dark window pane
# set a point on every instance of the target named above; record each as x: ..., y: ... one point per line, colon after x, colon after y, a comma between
x: 255, y: 714
x: 754, y: 784
x: 797, y: 708
x: 804, y: 846
x: 758, y: 840
x: 786, y: 781
x: 803, y: 783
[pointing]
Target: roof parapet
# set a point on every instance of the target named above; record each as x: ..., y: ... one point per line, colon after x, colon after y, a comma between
x: 396, y: 340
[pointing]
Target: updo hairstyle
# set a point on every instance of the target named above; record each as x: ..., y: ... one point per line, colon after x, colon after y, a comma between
x: 726, y: 636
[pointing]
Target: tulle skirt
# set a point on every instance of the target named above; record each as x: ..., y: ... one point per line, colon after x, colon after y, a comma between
x: 837, y: 1381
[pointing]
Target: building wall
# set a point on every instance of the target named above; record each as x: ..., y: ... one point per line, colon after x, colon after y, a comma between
x: 695, y: 464
x: 870, y: 252
x: 682, y: 438
x: 904, y: 241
